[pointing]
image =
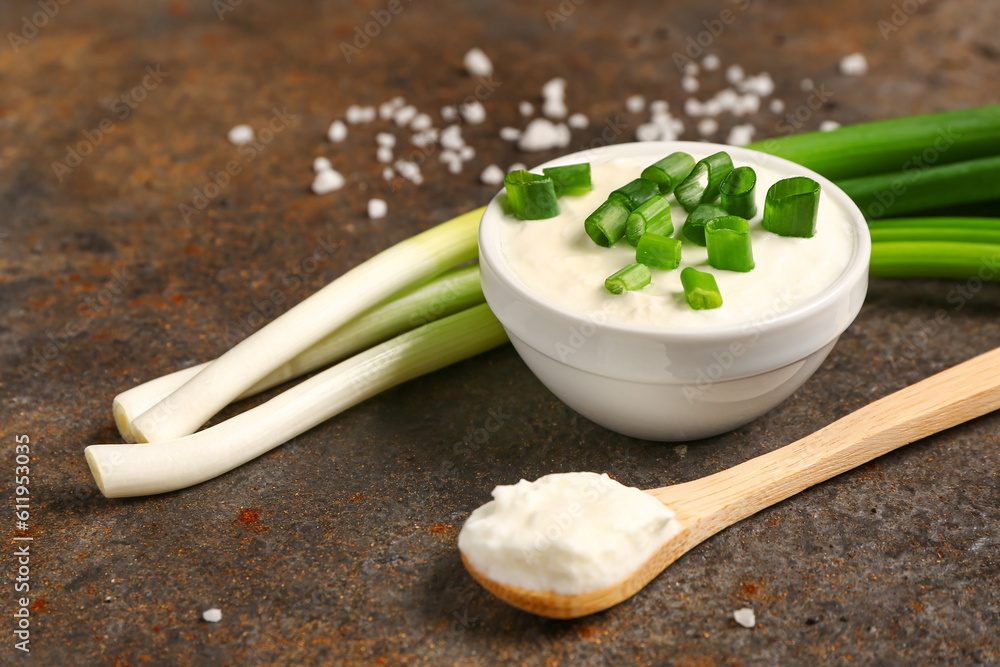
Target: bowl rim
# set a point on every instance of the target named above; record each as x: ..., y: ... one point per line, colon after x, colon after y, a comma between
x: 855, y: 271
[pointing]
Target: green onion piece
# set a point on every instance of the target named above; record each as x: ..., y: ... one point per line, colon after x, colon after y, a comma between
x: 700, y: 289
x: 935, y: 259
x: 531, y: 197
x: 632, y: 277
x: 570, y: 180
x: 790, y: 207
x: 659, y: 252
x: 737, y: 192
x: 669, y: 172
x: 728, y: 242
x: 702, y: 185
x: 634, y: 193
x: 606, y: 225
x: 653, y: 215
x: 945, y: 234
x: 694, y: 226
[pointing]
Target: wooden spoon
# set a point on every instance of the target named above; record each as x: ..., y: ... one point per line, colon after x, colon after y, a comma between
x: 707, y: 505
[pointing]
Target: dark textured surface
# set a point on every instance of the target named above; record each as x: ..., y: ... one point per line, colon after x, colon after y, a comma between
x: 340, y: 545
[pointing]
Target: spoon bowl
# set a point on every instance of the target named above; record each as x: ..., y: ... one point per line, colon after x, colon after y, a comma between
x: 705, y: 506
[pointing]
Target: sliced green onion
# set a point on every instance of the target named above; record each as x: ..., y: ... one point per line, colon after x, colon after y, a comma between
x: 895, y: 145
x: 906, y: 192
x: 790, y: 207
x: 935, y: 259
x: 570, y: 180
x: 700, y: 289
x: 143, y: 469
x: 653, y: 215
x: 634, y: 193
x: 737, y: 192
x: 669, y: 172
x: 694, y: 226
x: 444, y: 295
x: 531, y: 197
x: 728, y: 242
x: 702, y: 185
x: 606, y: 226
x: 658, y: 252
x: 632, y: 277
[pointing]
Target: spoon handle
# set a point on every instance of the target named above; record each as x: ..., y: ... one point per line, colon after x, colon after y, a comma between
x: 941, y: 401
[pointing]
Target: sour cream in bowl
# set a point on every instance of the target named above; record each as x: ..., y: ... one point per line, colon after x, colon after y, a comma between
x: 645, y: 363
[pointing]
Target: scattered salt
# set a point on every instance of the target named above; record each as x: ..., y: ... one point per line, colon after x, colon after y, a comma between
x: 777, y: 106
x: 745, y: 617
x: 691, y: 68
x: 421, y: 122
x: 554, y: 88
x: 854, y: 65
x: 710, y: 62
x: 577, y: 121
x: 451, y: 137
x: 734, y: 74
x: 449, y: 114
x: 492, y: 175
x: 410, y: 171
x: 337, y: 131
x: 357, y: 114
x: 542, y: 134
x: 321, y: 163
x: 707, y: 126
x: 377, y: 208
x: 554, y: 108
x: 828, y: 125
x: 212, y: 615
x: 693, y: 107
x: 466, y: 153
x: 689, y: 84
x: 385, y: 139
x: 516, y: 166
x: 761, y: 84
x: 388, y: 173
x: 525, y: 108
x: 635, y: 103
x: 327, y: 181
x: 474, y: 112
x: 807, y: 84
x: 659, y: 106
x: 404, y: 115
x: 383, y: 154
x: 477, y: 63
x: 740, y: 135
x: 511, y: 133
x: 241, y: 134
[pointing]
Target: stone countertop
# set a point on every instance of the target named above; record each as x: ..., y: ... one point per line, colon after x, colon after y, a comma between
x: 135, y: 240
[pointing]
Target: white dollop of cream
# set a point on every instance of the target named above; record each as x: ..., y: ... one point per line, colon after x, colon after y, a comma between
x: 566, y: 533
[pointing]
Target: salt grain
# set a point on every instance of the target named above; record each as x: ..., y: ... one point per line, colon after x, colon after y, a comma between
x: 659, y: 106
x: 410, y: 171
x: 635, y: 103
x: 542, y: 134
x: 383, y: 154
x: 404, y: 115
x: 385, y: 139
x: 388, y: 173
x: 449, y: 114
x: 241, y: 134
x: 691, y: 68
x: 212, y: 615
x: 710, y: 62
x: 740, y: 135
x: 516, y: 166
x: 357, y: 114
x: 511, y: 133
x: 854, y: 65
x: 377, y: 208
x: 828, y: 126
x: 421, y: 122
x: 806, y: 84
x: 578, y: 121
x: 689, y: 84
x: 492, y: 175
x: 734, y: 74
x: 466, y: 153
x: 525, y: 108
x: 745, y: 617
x: 451, y: 137
x: 474, y: 112
x: 337, y: 131
x: 327, y: 181
x: 321, y: 163
x: 777, y: 106
x: 707, y: 126
x: 477, y: 63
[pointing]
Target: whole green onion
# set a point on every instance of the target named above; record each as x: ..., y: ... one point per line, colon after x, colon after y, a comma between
x: 669, y: 172
x: 606, y: 225
x: 700, y: 289
x: 702, y: 185
x: 790, y: 207
x: 737, y: 192
x: 658, y: 252
x: 571, y: 179
x: 653, y: 215
x: 728, y: 242
x: 634, y: 193
x: 631, y: 277
x: 935, y: 259
x: 531, y: 197
x: 694, y: 226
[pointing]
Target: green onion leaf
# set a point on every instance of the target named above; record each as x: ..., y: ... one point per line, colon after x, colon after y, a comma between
x: 700, y: 289
x: 570, y: 180
x: 653, y: 215
x: 669, y: 172
x: 728, y: 242
x: 790, y: 207
x: 694, y: 226
x: 531, y: 197
x: 634, y: 193
x: 606, y: 225
x: 702, y: 185
x: 632, y: 277
x: 737, y: 192
x: 658, y: 252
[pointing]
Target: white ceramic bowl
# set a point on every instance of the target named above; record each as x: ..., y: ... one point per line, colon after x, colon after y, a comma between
x: 661, y: 384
